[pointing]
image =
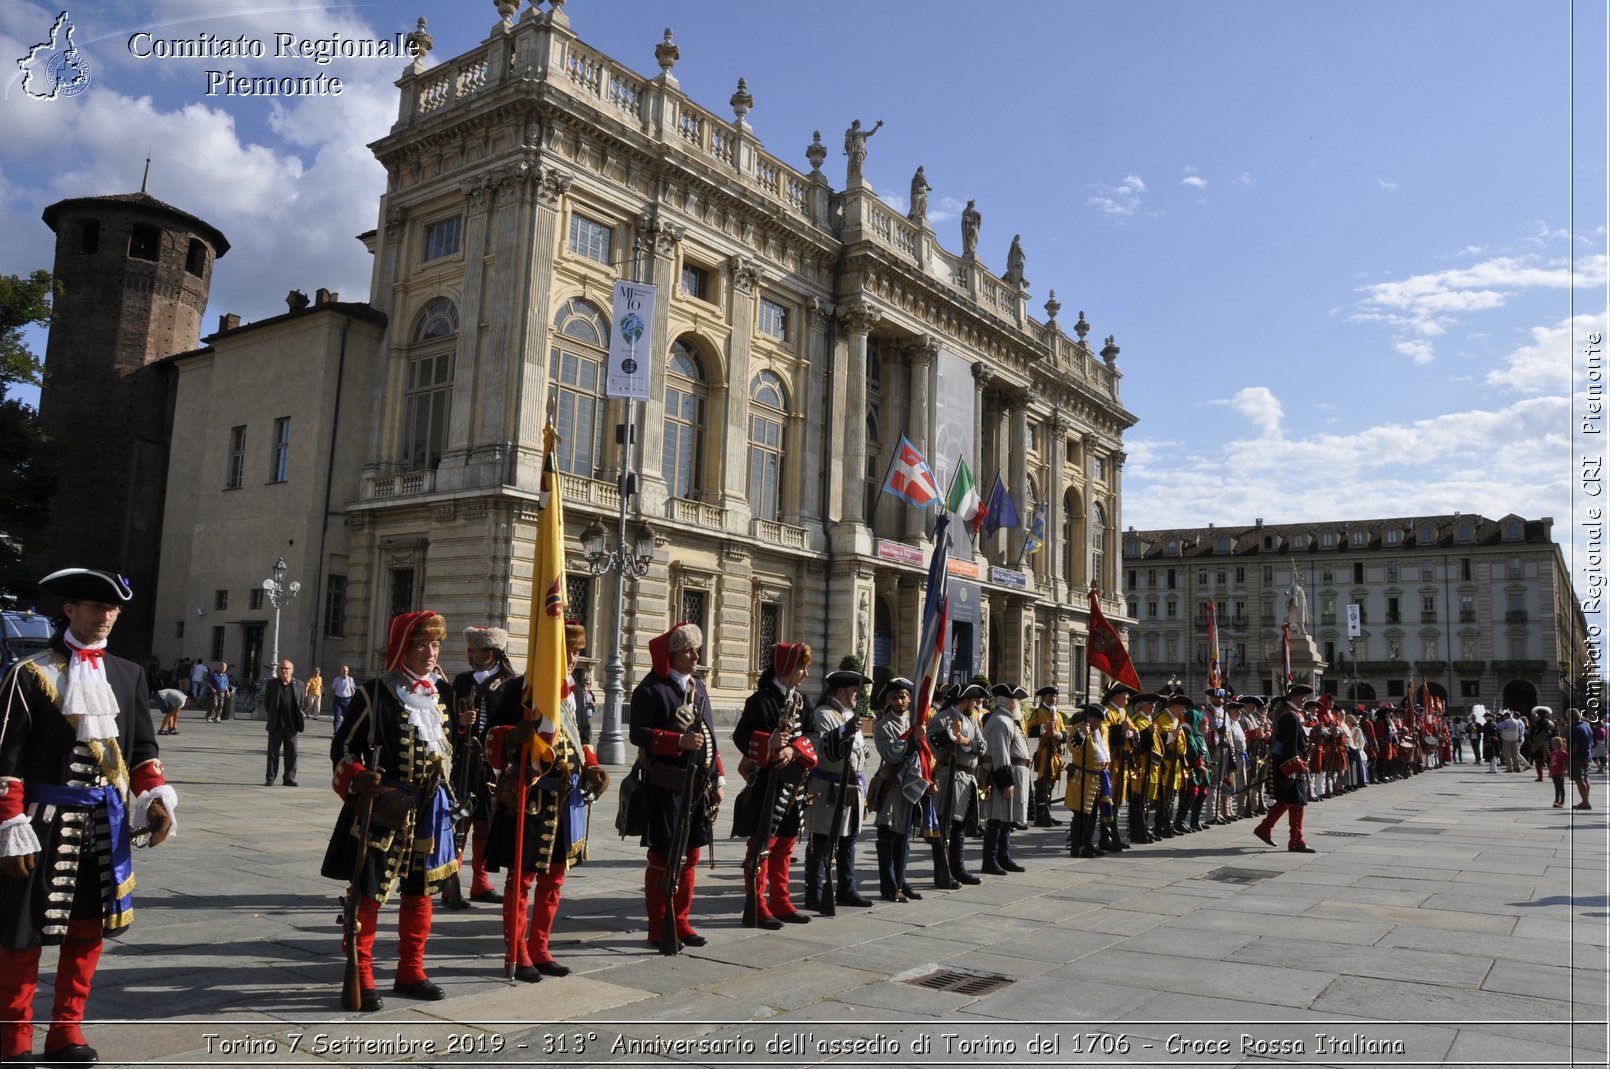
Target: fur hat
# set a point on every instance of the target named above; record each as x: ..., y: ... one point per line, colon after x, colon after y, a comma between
x: 683, y: 636
x: 575, y: 636
x: 409, y: 627
x: 486, y: 638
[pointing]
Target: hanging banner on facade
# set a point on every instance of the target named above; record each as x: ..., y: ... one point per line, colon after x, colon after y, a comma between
x: 1354, y: 628
x: 630, y: 344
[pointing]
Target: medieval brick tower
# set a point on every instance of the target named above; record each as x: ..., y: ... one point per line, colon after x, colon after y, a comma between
x: 134, y: 276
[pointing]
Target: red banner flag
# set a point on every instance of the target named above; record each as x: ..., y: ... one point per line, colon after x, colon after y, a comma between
x: 1107, y: 653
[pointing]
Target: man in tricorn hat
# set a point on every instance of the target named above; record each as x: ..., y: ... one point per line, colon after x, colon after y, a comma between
x: 1288, y: 771
x: 673, y: 727
x: 1120, y: 735
x: 1144, y: 764
x: 1048, y: 727
x: 77, y: 754
x: 1007, y: 752
x: 834, y: 729
x: 907, y: 772
x: 771, y: 736
x: 957, y: 741
x: 396, y: 731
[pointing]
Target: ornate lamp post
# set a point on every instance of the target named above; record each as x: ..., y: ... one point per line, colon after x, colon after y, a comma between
x: 280, y: 593
x: 628, y: 563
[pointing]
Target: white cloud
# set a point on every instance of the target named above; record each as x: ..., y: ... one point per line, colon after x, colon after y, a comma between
x: 1546, y: 364
x: 1426, y: 305
x: 1194, y: 180
x: 1122, y: 200
x: 1243, y: 179
x: 1389, y: 186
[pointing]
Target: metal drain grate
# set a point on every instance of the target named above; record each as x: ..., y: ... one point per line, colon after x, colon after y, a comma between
x: 1415, y: 829
x: 1233, y: 875
x: 960, y: 981
x: 1381, y: 820
x: 1348, y: 834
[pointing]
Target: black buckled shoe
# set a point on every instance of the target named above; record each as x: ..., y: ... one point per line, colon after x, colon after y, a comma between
x: 968, y: 878
x: 769, y: 924
x: 552, y: 968
x: 425, y: 990
x: 486, y: 896
x: 528, y: 974
x: 911, y: 896
x: 72, y: 1054
x: 693, y: 939
x: 792, y: 918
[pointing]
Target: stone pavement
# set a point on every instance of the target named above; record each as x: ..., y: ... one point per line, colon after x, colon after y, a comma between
x: 1453, y: 918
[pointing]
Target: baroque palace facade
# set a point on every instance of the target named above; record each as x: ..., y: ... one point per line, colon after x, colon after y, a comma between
x: 803, y: 331
x: 1481, y: 609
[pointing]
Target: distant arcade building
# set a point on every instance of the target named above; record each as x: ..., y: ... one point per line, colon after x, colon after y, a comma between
x: 134, y: 275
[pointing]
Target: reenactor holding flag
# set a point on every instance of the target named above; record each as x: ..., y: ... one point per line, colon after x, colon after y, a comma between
x: 1144, y: 765
x: 1120, y: 734
x: 1048, y: 727
x: 1089, y: 792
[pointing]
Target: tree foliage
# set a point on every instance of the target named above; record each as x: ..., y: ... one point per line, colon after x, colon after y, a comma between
x: 27, y: 460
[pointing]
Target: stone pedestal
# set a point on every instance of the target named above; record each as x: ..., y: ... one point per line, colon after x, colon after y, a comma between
x: 1307, y: 666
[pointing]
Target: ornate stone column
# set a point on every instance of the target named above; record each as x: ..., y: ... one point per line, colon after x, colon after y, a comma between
x: 982, y: 377
x: 816, y: 433
x: 1017, y: 479
x: 1088, y: 443
x: 660, y: 240
x: 549, y: 189
x: 1057, y: 488
x: 469, y: 377
x: 745, y: 275
x: 859, y: 318
x: 919, y: 425
x: 1115, y: 524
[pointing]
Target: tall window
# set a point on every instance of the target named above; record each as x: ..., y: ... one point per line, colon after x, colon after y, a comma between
x: 254, y: 598
x: 773, y: 319
x: 579, y: 597
x: 217, y: 644
x: 195, y: 261
x: 684, y: 420
x: 145, y: 242
x: 589, y: 238
x: 1098, y: 546
x: 401, y: 591
x: 576, y: 376
x: 695, y: 282
x: 220, y: 600
x: 766, y: 413
x: 695, y: 605
x: 442, y: 238
x: 769, y: 628
x: 1468, y: 648
x: 430, y: 385
x: 280, y: 467
x: 1069, y: 550
x: 335, y: 607
x: 236, y: 470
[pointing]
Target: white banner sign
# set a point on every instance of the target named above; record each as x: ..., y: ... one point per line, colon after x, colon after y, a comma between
x: 630, y: 346
x: 1353, y: 628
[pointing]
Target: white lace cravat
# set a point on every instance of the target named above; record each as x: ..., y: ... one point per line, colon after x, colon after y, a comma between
x: 423, y: 714
x: 88, y: 694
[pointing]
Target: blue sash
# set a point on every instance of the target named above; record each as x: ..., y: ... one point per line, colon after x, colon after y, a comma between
x: 55, y: 794
x: 573, y: 811
x: 436, y: 814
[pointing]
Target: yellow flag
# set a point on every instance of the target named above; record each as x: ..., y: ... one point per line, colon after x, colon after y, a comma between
x: 545, y: 657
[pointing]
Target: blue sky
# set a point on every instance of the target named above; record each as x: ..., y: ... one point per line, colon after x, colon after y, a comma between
x: 1343, y: 247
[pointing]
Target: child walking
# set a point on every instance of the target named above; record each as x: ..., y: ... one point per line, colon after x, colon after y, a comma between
x: 1558, y: 760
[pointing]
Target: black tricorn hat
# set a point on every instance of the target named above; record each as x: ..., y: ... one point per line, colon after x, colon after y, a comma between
x: 1147, y: 696
x: 1092, y: 709
x: 1115, y: 690
x: 1009, y: 690
x: 86, y: 584
x: 1252, y: 700
x: 846, y: 677
x: 894, y: 684
x: 1047, y: 689
x: 972, y: 690
x: 1299, y: 690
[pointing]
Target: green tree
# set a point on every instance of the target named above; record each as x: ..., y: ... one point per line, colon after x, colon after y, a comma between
x: 27, y: 461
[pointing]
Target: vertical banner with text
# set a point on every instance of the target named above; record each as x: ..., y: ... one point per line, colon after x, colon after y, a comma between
x: 630, y: 341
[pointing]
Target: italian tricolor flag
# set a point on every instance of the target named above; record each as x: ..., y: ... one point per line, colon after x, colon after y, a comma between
x: 963, y: 499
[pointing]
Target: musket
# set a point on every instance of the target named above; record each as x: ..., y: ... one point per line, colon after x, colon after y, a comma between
x: 828, y: 896
x: 766, y: 828
x: 947, y: 804
x: 351, y: 981
x: 693, y: 721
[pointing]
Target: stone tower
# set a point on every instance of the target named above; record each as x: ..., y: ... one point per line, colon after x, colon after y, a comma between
x: 134, y: 275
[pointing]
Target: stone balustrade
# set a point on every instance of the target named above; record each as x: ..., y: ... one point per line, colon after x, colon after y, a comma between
x: 578, y: 489
x: 779, y: 534
x: 406, y: 484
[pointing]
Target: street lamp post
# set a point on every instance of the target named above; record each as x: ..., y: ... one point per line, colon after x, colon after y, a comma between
x: 627, y: 563
x: 280, y: 593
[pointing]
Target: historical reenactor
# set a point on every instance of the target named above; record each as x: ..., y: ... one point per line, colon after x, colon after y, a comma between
x: 957, y: 741
x: 392, y: 765
x: 1257, y: 733
x: 487, y: 692
x: 672, y: 726
x: 1049, y: 729
x: 1006, y: 751
x: 1215, y: 726
x: 561, y: 774
x: 1120, y: 732
x: 1232, y: 770
x: 1169, y: 755
x: 1288, y: 772
x: 1089, y: 782
x: 80, y: 783
x: 906, y: 772
x: 1193, y: 784
x: 1143, y: 761
x: 833, y: 814
x: 777, y: 755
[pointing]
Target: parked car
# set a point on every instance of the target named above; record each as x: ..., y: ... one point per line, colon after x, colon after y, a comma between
x: 22, y: 632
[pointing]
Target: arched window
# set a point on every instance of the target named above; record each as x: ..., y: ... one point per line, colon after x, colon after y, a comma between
x: 430, y: 384
x: 768, y: 409
x: 575, y: 383
x: 1098, y: 545
x: 685, y: 395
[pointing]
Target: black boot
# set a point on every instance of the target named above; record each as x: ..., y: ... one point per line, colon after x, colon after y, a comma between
x: 1076, y: 830
x: 1160, y: 825
x: 813, y: 876
x: 992, y: 841
x: 1181, y: 811
x: 1116, y: 836
x: 1196, y: 810
x: 1003, y: 850
x: 1089, y: 847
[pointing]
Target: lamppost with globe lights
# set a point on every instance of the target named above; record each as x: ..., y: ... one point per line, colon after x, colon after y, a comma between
x: 280, y: 593
x: 633, y: 565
